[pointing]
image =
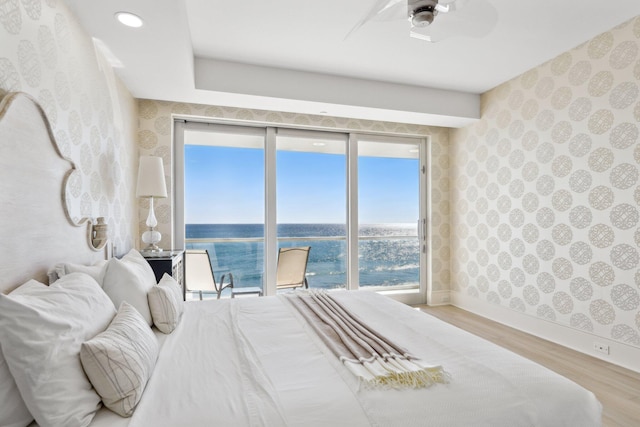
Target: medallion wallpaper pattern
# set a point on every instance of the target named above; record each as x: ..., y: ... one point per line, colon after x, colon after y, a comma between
x: 155, y: 138
x: 46, y: 53
x: 545, y: 191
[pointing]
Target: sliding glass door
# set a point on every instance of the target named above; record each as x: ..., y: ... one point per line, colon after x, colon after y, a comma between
x: 311, y: 177
x: 359, y: 202
x: 223, y: 198
x: 389, y: 248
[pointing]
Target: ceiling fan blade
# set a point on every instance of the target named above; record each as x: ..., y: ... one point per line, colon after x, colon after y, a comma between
x: 382, y: 10
x: 453, y: 5
x: 421, y: 33
x: 393, y: 9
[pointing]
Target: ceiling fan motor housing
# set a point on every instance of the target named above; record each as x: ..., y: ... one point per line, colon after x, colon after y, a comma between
x: 422, y: 12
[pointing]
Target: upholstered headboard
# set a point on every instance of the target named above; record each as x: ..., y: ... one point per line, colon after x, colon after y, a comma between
x: 35, y: 229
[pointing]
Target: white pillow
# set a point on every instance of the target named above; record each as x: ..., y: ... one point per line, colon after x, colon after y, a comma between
x: 96, y: 271
x: 41, y: 330
x: 13, y: 411
x: 166, y: 304
x: 120, y: 360
x: 130, y: 279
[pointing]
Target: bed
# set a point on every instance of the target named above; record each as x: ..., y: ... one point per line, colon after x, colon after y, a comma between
x: 236, y: 362
x: 265, y: 367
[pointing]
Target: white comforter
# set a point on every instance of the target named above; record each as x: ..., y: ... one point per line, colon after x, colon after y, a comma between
x: 253, y: 362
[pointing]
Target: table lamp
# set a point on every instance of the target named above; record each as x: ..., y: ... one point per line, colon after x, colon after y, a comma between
x: 151, y: 184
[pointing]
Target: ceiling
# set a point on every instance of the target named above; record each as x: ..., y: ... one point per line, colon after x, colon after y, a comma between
x: 294, y: 56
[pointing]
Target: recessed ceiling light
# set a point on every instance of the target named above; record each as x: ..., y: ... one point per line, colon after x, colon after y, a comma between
x: 129, y: 19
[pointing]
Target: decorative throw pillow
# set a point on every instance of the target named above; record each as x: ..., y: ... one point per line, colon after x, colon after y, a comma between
x: 166, y: 304
x: 13, y: 411
x: 41, y: 330
x: 96, y: 271
x: 130, y: 279
x: 120, y: 360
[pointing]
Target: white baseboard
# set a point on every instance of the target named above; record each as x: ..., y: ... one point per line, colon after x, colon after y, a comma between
x: 620, y: 354
x: 439, y: 298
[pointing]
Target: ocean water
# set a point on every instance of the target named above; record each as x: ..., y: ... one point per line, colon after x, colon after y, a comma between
x: 388, y: 253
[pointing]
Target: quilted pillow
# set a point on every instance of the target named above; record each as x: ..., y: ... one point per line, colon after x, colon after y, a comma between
x: 166, y: 304
x: 130, y: 279
x: 41, y: 330
x: 120, y: 360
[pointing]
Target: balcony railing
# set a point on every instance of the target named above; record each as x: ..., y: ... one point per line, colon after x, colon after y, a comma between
x: 385, y: 262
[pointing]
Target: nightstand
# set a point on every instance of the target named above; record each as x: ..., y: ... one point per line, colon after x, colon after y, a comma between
x: 170, y: 262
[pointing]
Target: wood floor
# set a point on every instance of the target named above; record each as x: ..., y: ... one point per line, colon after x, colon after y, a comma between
x: 618, y: 389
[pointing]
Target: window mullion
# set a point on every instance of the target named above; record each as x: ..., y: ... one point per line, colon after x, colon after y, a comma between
x: 353, y: 278
x: 178, y: 185
x: 270, y: 220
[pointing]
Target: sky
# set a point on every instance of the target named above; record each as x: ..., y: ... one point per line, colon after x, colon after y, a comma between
x: 225, y: 185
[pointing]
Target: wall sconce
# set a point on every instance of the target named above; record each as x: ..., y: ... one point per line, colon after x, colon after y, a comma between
x: 98, y: 233
x: 151, y: 184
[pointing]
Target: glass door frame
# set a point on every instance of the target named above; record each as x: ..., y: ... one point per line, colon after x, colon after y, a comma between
x: 351, y: 204
x: 324, y: 136
x: 405, y: 296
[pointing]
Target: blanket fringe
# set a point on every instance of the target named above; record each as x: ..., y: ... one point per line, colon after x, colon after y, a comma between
x: 404, y: 380
x: 378, y: 373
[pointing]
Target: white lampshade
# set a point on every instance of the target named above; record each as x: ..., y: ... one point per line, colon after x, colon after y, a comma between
x: 151, y: 177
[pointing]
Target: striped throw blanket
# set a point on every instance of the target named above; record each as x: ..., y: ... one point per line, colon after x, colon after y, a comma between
x: 374, y: 359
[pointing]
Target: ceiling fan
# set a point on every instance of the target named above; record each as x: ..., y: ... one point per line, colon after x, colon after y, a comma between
x: 436, y: 20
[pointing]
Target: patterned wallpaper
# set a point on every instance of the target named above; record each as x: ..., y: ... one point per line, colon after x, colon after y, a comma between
x: 546, y: 191
x: 46, y: 53
x: 155, y: 134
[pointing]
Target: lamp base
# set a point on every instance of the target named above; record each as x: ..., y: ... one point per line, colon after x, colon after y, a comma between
x: 152, y: 249
x: 151, y: 237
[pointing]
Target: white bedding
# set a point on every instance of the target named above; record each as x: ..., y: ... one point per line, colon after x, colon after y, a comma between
x: 253, y: 362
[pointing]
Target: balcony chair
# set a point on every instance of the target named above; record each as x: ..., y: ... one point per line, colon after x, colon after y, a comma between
x: 199, y: 276
x: 292, y: 267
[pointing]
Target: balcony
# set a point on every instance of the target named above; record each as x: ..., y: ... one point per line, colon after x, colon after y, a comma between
x: 386, y: 263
